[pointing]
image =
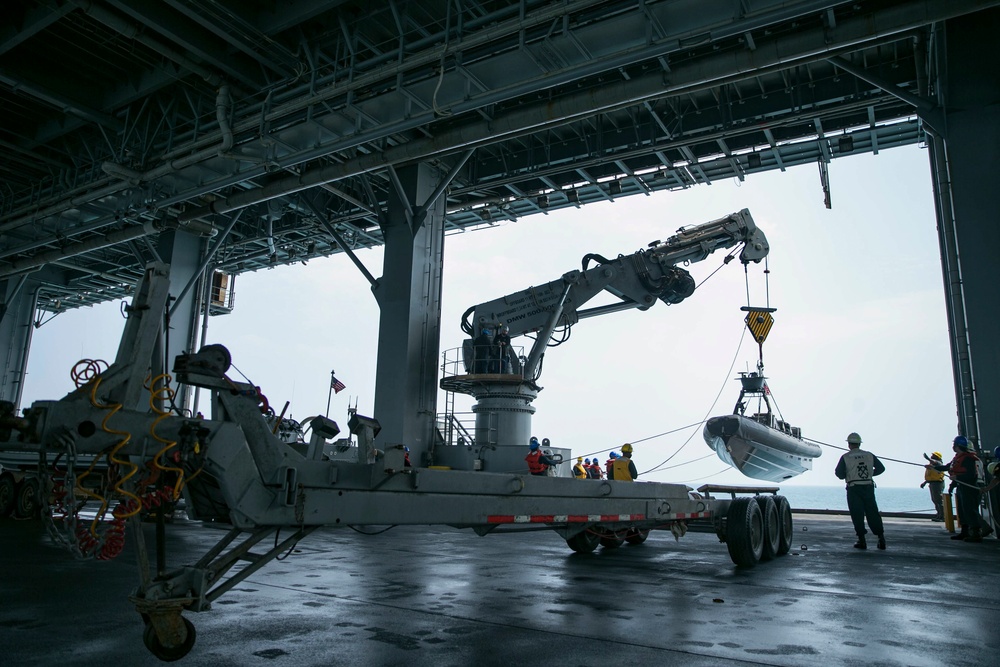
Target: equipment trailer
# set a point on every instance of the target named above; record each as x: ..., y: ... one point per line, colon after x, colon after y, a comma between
x: 232, y: 468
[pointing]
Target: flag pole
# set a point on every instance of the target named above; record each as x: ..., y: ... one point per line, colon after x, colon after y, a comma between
x: 329, y: 394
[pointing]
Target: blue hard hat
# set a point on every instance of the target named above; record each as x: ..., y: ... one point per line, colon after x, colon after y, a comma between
x: 961, y: 441
x: 586, y: 460
x: 996, y: 453
x: 406, y: 449
x: 534, y: 445
x: 488, y: 332
x: 613, y: 455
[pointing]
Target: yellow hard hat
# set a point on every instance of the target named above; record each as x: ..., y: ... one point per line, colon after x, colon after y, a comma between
x: 626, y: 448
x: 937, y: 455
x: 579, y: 459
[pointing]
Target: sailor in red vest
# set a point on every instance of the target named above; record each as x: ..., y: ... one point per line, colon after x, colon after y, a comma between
x: 609, y: 465
x: 538, y: 463
x: 595, y: 469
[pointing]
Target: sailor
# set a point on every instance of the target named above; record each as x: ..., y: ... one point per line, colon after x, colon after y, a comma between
x: 609, y: 465
x: 483, y: 347
x: 858, y: 468
x: 538, y: 462
x: 406, y: 458
x: 501, y: 347
x: 580, y: 470
x: 548, y: 459
x: 966, y: 472
x: 623, y: 467
x: 595, y: 469
x: 934, y: 479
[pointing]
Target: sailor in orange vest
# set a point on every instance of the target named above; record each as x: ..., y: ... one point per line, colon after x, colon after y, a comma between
x: 623, y: 467
x: 609, y: 465
x: 595, y: 469
x: 538, y: 463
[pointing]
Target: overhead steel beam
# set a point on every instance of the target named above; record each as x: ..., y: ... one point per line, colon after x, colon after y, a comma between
x: 35, y: 20
x: 59, y: 101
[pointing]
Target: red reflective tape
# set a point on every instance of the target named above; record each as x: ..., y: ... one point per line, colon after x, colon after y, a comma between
x: 494, y: 518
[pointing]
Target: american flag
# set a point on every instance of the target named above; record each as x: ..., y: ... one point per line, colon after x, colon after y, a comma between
x: 336, y: 384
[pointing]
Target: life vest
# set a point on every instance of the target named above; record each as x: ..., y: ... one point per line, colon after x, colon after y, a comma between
x: 534, y: 465
x: 859, y: 466
x: 580, y: 471
x: 620, y: 467
x: 932, y: 475
x: 595, y: 471
x: 609, y: 465
x: 966, y: 467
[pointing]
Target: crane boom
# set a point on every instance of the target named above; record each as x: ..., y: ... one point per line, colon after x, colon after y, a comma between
x: 636, y: 280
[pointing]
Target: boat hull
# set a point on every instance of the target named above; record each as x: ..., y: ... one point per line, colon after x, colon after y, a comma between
x: 757, y: 450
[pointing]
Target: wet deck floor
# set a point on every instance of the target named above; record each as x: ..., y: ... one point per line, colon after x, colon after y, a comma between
x: 439, y: 596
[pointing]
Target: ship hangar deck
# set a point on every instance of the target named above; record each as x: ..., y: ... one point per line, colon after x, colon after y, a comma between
x: 438, y: 596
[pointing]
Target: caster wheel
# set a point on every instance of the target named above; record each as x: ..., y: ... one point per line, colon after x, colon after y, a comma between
x: 171, y: 653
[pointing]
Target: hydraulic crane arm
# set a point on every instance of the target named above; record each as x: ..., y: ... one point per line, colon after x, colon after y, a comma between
x: 637, y: 280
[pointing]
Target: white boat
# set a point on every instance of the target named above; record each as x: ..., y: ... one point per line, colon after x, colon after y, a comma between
x: 760, y: 446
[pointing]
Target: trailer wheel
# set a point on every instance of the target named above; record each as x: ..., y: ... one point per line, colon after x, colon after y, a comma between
x: 785, y: 525
x: 772, y: 527
x: 8, y: 488
x: 583, y: 542
x: 636, y: 536
x: 612, y: 541
x: 27, y: 503
x: 744, y: 531
x: 169, y: 653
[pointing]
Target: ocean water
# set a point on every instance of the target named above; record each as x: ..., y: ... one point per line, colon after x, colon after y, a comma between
x: 890, y: 499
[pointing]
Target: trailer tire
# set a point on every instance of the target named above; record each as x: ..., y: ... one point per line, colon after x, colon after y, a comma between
x: 27, y: 503
x: 772, y: 527
x: 744, y: 532
x: 8, y: 489
x: 785, y: 524
x: 612, y: 541
x: 583, y: 542
x: 636, y: 536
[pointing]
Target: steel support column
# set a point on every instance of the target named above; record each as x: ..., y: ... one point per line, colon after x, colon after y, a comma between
x: 17, y: 310
x: 183, y: 251
x: 409, y: 297
x: 970, y: 96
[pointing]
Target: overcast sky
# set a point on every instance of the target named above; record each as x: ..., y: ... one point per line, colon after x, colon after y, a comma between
x: 860, y: 340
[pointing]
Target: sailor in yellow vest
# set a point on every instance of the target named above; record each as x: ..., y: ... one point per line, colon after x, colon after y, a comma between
x: 623, y: 467
x: 935, y: 480
x: 578, y: 470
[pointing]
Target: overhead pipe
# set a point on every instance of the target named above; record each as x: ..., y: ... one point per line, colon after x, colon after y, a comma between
x: 96, y: 243
x: 468, y: 42
x: 725, y: 67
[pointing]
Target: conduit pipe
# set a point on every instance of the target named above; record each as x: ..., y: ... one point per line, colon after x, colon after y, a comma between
x: 96, y: 243
x: 486, y: 36
x: 725, y: 67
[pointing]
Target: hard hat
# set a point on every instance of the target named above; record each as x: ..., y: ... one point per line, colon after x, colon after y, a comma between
x: 488, y: 332
x: 996, y: 452
x: 406, y: 449
x: 534, y: 439
x: 961, y: 441
x: 992, y: 468
x: 854, y: 439
x: 504, y: 328
x: 534, y: 445
x: 585, y: 460
x: 626, y: 448
x: 547, y: 452
x: 937, y: 455
x: 613, y: 455
x: 580, y: 458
